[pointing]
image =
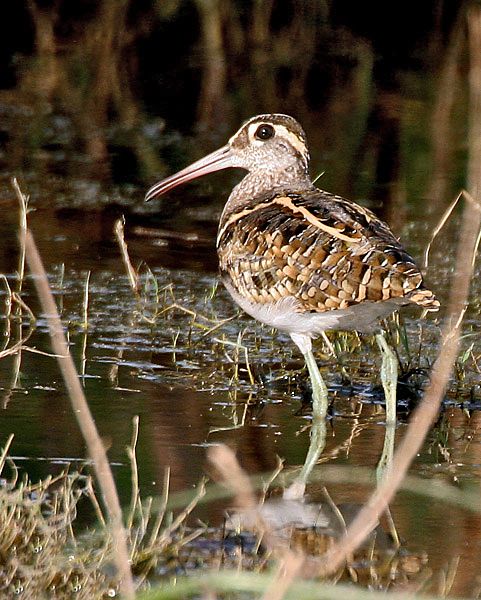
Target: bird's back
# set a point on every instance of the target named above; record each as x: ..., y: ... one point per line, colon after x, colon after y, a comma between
x: 324, y: 251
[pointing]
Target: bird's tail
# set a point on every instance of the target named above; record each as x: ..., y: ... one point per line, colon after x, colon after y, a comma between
x: 425, y: 298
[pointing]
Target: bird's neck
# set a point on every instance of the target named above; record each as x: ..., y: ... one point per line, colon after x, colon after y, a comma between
x: 257, y: 184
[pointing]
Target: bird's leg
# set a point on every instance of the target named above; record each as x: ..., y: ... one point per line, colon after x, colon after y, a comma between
x: 389, y: 373
x: 387, y: 454
x: 320, y: 402
x: 317, y: 444
x: 319, y: 411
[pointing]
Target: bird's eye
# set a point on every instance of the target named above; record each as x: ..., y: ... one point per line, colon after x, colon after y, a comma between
x: 264, y: 132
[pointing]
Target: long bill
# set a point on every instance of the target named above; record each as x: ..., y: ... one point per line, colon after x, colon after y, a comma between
x: 220, y: 159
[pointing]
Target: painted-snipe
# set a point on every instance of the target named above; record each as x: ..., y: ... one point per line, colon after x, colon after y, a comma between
x: 301, y: 259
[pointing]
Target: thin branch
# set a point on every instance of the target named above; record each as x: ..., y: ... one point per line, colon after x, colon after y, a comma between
x: 84, y: 418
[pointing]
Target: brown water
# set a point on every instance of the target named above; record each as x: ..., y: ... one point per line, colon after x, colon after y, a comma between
x: 182, y: 383
x: 377, y: 146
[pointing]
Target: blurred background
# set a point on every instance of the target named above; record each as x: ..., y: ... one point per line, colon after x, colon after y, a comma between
x: 98, y: 99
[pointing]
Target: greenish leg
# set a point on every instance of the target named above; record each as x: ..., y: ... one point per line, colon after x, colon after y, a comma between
x: 317, y: 444
x: 387, y: 452
x: 320, y: 401
x: 317, y: 441
x: 389, y: 373
x: 320, y: 405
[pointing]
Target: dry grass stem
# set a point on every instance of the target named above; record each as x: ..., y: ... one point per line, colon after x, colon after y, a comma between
x: 14, y: 300
x: 13, y: 349
x: 82, y: 413
x: 131, y: 453
x: 89, y: 489
x: 85, y: 302
x: 232, y: 475
x: 162, y: 508
x: 23, y: 201
x: 5, y: 450
x: 288, y: 569
x: 442, y: 222
x: 181, y: 517
x: 131, y: 272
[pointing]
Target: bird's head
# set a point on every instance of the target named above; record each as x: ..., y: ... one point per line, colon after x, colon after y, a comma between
x: 266, y: 143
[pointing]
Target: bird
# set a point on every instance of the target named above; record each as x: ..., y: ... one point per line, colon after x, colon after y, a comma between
x: 299, y: 258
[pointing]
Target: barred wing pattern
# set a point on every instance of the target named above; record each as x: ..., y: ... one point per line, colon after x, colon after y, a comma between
x: 323, y: 250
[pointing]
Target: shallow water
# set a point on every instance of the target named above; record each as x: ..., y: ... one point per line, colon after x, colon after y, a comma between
x: 181, y: 381
x: 182, y: 373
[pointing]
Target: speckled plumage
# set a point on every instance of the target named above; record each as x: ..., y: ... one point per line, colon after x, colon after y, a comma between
x: 324, y: 251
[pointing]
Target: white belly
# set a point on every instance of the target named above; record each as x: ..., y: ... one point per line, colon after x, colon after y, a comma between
x: 285, y: 315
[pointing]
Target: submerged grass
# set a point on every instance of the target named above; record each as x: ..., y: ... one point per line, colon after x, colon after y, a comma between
x: 45, y: 553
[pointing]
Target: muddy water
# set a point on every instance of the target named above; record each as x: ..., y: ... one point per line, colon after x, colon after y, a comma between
x: 191, y: 387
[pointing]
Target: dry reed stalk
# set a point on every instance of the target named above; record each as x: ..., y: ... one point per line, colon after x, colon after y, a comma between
x: 290, y: 562
x: 131, y: 272
x: 84, y: 418
x: 233, y: 476
x: 424, y: 416
x: 23, y: 200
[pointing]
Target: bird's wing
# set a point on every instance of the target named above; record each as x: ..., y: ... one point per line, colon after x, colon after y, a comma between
x: 325, y: 251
